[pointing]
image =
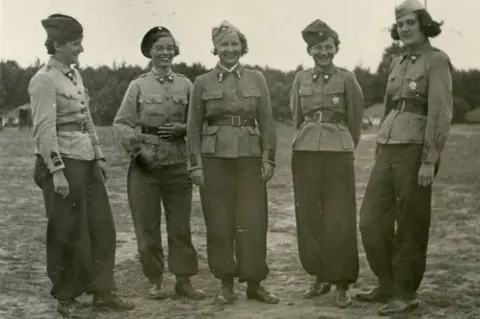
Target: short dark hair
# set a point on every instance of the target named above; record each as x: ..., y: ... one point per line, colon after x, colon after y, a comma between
x: 159, y: 35
x: 429, y: 27
x: 50, y: 45
x: 336, y: 41
x: 243, y: 42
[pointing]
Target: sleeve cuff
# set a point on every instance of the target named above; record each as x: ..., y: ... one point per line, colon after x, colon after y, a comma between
x: 194, y: 162
x: 54, y: 162
x: 98, y: 152
x: 269, y: 156
x: 429, y: 154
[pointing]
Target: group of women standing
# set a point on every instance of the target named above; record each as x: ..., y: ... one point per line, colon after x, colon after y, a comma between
x: 219, y: 133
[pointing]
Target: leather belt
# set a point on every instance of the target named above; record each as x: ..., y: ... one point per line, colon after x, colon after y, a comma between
x: 325, y: 117
x: 235, y: 121
x: 79, y: 126
x: 411, y: 107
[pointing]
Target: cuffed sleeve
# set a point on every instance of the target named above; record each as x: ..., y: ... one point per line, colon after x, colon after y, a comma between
x: 297, y: 114
x: 266, y: 122
x: 355, y: 105
x: 195, y: 119
x: 440, y: 107
x: 44, y: 114
x: 126, y: 120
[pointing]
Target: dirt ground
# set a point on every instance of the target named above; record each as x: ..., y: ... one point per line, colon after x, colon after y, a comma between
x: 451, y: 287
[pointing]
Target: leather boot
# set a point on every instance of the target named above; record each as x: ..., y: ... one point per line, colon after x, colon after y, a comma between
x: 184, y: 288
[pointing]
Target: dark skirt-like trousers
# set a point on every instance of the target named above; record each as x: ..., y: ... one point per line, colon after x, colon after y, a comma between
x: 81, y: 238
x: 325, y: 208
x: 234, y: 203
x: 395, y: 219
x: 147, y: 190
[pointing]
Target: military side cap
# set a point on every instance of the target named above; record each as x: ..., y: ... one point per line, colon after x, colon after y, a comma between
x: 316, y: 32
x: 150, y: 37
x: 62, y: 28
x: 222, y: 30
x: 407, y: 7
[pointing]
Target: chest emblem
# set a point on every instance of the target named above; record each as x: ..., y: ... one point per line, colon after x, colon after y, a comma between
x: 336, y: 100
x: 412, y: 85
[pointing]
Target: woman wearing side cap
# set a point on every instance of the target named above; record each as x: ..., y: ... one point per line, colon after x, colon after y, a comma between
x: 232, y: 160
x: 418, y: 110
x: 327, y: 107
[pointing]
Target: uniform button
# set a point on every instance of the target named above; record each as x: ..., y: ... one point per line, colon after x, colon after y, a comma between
x: 82, y: 102
x: 167, y: 99
x: 74, y: 82
x: 80, y: 92
x: 82, y: 111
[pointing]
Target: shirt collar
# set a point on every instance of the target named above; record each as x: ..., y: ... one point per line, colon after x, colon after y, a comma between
x: 59, y: 65
x: 417, y: 51
x: 220, y: 71
x: 325, y: 74
x: 168, y: 76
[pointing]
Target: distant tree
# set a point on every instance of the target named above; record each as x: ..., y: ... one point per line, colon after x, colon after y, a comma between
x: 460, y: 110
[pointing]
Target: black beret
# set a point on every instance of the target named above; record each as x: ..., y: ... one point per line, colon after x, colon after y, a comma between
x: 151, y: 36
x: 62, y: 28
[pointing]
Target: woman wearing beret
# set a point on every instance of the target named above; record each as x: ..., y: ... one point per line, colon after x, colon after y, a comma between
x: 231, y: 141
x: 151, y: 126
x: 327, y: 107
x: 412, y: 134
x: 70, y: 170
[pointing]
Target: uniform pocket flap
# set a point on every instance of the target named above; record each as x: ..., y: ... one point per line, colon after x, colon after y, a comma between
x: 181, y: 99
x: 210, y: 130
x: 251, y: 93
x: 305, y: 91
x: 416, y: 77
x: 152, y: 98
x: 212, y: 95
x: 334, y: 91
x: 253, y: 131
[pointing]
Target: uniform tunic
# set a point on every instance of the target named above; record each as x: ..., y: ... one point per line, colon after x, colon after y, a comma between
x: 81, y: 231
x: 151, y: 101
x: 418, y: 111
x: 230, y: 132
x: 327, y: 110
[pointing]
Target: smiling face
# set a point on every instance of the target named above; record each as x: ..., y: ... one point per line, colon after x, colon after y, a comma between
x: 323, y: 52
x: 229, y: 49
x: 409, y: 30
x: 69, y: 51
x: 163, y: 52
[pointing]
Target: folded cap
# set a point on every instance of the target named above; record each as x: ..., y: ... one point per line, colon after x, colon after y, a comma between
x: 151, y: 36
x: 408, y: 6
x: 316, y: 32
x: 222, y: 30
x: 62, y: 28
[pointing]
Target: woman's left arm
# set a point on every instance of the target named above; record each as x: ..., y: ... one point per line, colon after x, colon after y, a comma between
x: 355, y: 105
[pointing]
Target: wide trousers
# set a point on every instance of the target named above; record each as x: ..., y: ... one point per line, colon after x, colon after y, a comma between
x: 395, y: 219
x: 234, y: 203
x: 81, y: 234
x: 326, y: 216
x: 147, y: 190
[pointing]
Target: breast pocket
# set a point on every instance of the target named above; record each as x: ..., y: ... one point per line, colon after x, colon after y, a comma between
x: 213, y: 101
x: 306, y: 98
x: 251, y: 97
x: 178, y: 110
x: 67, y: 103
x: 416, y: 86
x: 209, y: 140
x: 153, y: 110
x: 334, y: 98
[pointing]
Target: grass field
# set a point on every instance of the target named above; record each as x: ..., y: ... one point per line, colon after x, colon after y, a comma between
x: 451, y: 288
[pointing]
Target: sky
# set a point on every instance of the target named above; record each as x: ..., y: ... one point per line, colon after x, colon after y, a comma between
x: 113, y: 29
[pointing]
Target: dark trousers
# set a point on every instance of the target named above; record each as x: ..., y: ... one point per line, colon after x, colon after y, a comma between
x: 234, y: 203
x: 325, y: 208
x: 80, y: 233
x: 396, y: 256
x: 147, y: 190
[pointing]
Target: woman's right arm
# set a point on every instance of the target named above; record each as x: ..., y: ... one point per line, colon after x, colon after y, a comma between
x: 195, y: 119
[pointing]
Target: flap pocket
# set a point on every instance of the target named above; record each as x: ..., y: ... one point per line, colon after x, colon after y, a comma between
x: 251, y: 93
x: 212, y: 95
x: 416, y: 77
x: 181, y: 99
x: 67, y: 96
x: 334, y: 91
x: 152, y: 99
x: 210, y: 130
x: 305, y: 91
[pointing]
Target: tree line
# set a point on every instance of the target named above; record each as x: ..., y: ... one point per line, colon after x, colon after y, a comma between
x: 107, y: 85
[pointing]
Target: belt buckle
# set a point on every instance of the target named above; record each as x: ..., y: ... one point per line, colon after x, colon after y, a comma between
x: 317, y: 116
x: 236, y: 121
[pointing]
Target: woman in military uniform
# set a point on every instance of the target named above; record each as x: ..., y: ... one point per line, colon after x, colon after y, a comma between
x: 151, y: 126
x: 418, y: 110
x: 70, y: 170
x: 231, y: 160
x: 327, y: 108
